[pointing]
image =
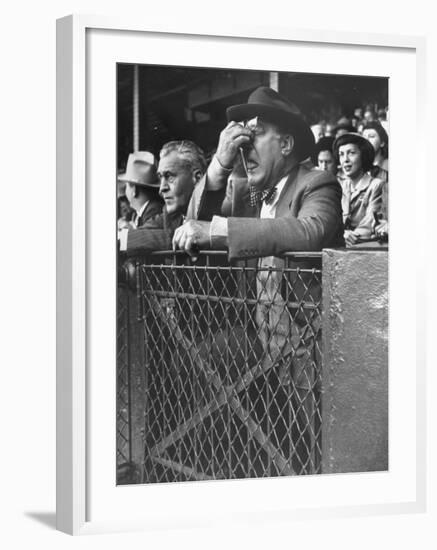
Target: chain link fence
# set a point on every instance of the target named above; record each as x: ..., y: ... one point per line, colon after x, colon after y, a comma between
x: 232, y: 367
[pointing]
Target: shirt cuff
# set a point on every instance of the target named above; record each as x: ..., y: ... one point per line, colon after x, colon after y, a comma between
x: 218, y: 232
x: 122, y: 235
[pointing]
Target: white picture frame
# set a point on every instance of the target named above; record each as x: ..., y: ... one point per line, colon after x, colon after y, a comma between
x: 75, y: 346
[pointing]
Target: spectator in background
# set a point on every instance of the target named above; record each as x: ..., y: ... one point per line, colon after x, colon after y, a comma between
x: 358, y: 113
x: 318, y: 131
x: 142, y: 186
x: 181, y: 165
x: 323, y: 156
x: 362, y: 193
x: 382, y: 115
x: 355, y: 122
x: 369, y: 114
x: 124, y: 213
x: 344, y: 126
x: 375, y: 133
x: 329, y: 129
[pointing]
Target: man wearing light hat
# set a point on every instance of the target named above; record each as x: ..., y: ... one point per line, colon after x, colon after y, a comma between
x: 142, y: 186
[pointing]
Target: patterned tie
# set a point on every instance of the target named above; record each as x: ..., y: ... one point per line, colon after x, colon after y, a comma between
x: 257, y: 197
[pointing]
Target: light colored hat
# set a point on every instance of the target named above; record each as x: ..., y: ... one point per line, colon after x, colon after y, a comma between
x: 140, y: 170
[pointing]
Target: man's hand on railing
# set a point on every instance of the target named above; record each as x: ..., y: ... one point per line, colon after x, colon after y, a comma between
x: 192, y: 236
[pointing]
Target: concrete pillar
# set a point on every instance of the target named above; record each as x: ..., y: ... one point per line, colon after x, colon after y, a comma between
x: 355, y: 361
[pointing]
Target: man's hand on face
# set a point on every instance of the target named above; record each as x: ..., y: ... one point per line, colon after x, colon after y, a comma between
x: 192, y: 236
x: 231, y: 139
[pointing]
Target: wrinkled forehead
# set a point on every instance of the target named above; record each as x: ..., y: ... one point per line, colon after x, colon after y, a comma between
x: 172, y: 162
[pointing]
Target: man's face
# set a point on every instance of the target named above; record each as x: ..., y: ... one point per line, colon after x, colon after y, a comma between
x: 177, y: 182
x: 326, y: 162
x: 373, y: 136
x: 264, y: 158
x: 350, y: 160
x: 130, y: 192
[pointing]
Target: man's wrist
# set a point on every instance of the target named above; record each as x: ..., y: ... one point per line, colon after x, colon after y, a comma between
x: 218, y: 233
x: 217, y: 175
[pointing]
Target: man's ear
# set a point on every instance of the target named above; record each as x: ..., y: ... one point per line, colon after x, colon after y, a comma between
x: 197, y: 175
x: 287, y: 145
x: 136, y: 190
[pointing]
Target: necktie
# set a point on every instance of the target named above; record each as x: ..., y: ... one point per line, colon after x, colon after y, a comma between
x: 257, y: 197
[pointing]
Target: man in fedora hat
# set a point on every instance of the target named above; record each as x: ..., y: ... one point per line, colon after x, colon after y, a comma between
x: 280, y: 205
x: 142, y: 186
x: 181, y: 165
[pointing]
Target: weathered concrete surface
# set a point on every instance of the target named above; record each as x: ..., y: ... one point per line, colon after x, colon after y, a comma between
x: 355, y: 361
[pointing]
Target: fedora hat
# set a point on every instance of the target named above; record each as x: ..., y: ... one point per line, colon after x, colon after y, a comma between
x: 140, y: 170
x: 272, y: 107
x: 366, y: 148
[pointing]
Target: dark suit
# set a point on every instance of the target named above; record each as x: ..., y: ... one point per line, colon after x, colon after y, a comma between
x: 155, y: 234
x: 153, y: 208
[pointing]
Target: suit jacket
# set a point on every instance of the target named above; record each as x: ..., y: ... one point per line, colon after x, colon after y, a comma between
x: 155, y: 234
x: 153, y: 208
x: 308, y: 215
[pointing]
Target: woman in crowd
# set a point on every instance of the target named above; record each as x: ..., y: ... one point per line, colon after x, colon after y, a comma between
x: 323, y: 157
x: 362, y: 193
x: 375, y: 133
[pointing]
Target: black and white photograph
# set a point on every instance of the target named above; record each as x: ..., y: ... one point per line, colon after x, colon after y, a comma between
x: 252, y: 238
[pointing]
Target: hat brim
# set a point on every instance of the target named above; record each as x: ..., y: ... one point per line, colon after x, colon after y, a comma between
x: 123, y: 178
x: 293, y: 122
x: 352, y: 138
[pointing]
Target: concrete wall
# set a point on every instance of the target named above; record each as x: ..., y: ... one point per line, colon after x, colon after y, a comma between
x: 355, y: 361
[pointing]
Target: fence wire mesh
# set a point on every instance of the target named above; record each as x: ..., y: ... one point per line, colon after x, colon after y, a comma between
x: 232, y: 368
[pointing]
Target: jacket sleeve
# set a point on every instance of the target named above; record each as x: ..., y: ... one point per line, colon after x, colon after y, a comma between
x: 205, y: 204
x: 374, y: 204
x: 318, y: 224
x: 150, y: 236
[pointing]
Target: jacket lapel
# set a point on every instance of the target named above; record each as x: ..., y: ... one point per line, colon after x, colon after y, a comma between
x: 363, y: 184
x: 287, y: 193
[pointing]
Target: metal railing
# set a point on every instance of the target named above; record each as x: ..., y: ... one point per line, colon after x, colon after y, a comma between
x: 124, y: 423
x: 231, y: 365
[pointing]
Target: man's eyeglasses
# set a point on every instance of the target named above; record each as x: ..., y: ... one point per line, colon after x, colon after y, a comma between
x: 253, y: 124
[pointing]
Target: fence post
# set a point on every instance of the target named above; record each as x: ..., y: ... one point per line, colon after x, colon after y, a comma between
x: 355, y: 361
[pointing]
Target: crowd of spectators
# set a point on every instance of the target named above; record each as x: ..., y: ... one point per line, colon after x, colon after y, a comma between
x: 154, y: 194
x: 364, y: 180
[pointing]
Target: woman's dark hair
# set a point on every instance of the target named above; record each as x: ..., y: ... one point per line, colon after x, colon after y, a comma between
x: 365, y: 147
x: 324, y: 144
x: 383, y: 136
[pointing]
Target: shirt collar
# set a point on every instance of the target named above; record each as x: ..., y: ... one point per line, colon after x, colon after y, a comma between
x: 141, y: 210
